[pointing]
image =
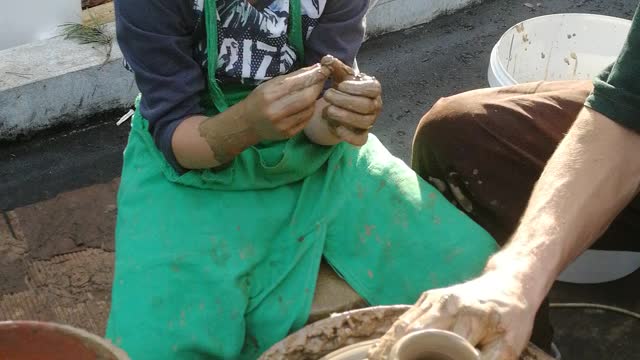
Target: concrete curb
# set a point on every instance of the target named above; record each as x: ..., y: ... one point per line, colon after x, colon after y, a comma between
x: 392, y: 15
x: 55, y: 82
x: 58, y: 82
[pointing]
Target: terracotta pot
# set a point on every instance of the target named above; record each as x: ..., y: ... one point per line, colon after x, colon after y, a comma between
x: 349, y: 335
x: 31, y: 340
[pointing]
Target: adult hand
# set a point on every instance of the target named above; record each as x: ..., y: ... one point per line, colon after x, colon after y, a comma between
x: 491, y: 312
x: 281, y: 107
x: 355, y: 102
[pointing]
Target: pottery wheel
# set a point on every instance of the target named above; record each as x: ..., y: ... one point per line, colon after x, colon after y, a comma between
x: 341, y: 330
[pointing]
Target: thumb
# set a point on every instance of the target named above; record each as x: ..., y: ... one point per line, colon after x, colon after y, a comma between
x: 339, y: 70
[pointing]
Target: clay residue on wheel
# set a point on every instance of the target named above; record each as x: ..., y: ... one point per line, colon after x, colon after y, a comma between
x: 338, y: 331
x: 325, y: 336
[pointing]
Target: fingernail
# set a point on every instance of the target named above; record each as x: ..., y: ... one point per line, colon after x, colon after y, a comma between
x: 327, y: 60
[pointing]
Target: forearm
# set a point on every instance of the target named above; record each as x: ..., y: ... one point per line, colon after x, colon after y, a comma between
x: 201, y: 142
x: 593, y: 174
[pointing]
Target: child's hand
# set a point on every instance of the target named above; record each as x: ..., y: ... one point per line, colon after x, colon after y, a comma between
x: 281, y: 107
x: 354, y: 102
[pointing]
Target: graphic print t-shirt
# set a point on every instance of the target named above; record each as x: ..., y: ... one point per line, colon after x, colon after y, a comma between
x: 253, y: 38
x: 164, y: 44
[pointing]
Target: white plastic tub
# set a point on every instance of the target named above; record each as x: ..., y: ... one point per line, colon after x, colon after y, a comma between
x: 566, y: 47
x: 557, y: 47
x: 26, y: 21
x: 598, y: 266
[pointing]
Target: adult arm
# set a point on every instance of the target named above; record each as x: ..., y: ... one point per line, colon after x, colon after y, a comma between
x: 592, y: 176
x: 594, y: 173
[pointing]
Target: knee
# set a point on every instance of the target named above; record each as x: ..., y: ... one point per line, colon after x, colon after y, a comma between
x: 445, y: 121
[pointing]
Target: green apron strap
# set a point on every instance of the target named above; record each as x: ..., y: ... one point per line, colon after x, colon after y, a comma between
x: 211, y: 25
x: 216, y: 93
x: 295, y: 29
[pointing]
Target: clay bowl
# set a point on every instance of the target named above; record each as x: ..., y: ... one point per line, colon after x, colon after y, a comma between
x: 351, y: 328
x: 31, y: 340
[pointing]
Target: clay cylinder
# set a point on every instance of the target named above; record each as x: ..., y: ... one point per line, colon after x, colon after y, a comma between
x: 433, y: 345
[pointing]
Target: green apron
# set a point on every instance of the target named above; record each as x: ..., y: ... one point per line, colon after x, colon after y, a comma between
x: 221, y: 265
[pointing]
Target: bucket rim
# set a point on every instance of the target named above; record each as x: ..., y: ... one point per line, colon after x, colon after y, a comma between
x: 572, y: 15
x: 495, y: 63
x: 67, y: 329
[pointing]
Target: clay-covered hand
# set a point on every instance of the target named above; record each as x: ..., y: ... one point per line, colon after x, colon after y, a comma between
x: 281, y: 107
x: 354, y: 102
x: 491, y: 312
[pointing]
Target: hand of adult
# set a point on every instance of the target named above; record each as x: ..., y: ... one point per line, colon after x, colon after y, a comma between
x: 355, y: 102
x: 491, y: 312
x: 281, y: 107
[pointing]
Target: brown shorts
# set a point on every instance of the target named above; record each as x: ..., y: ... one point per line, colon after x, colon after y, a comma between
x: 485, y: 149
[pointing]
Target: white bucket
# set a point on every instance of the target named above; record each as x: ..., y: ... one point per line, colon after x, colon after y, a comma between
x: 566, y: 47
x: 557, y: 47
x: 26, y: 21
